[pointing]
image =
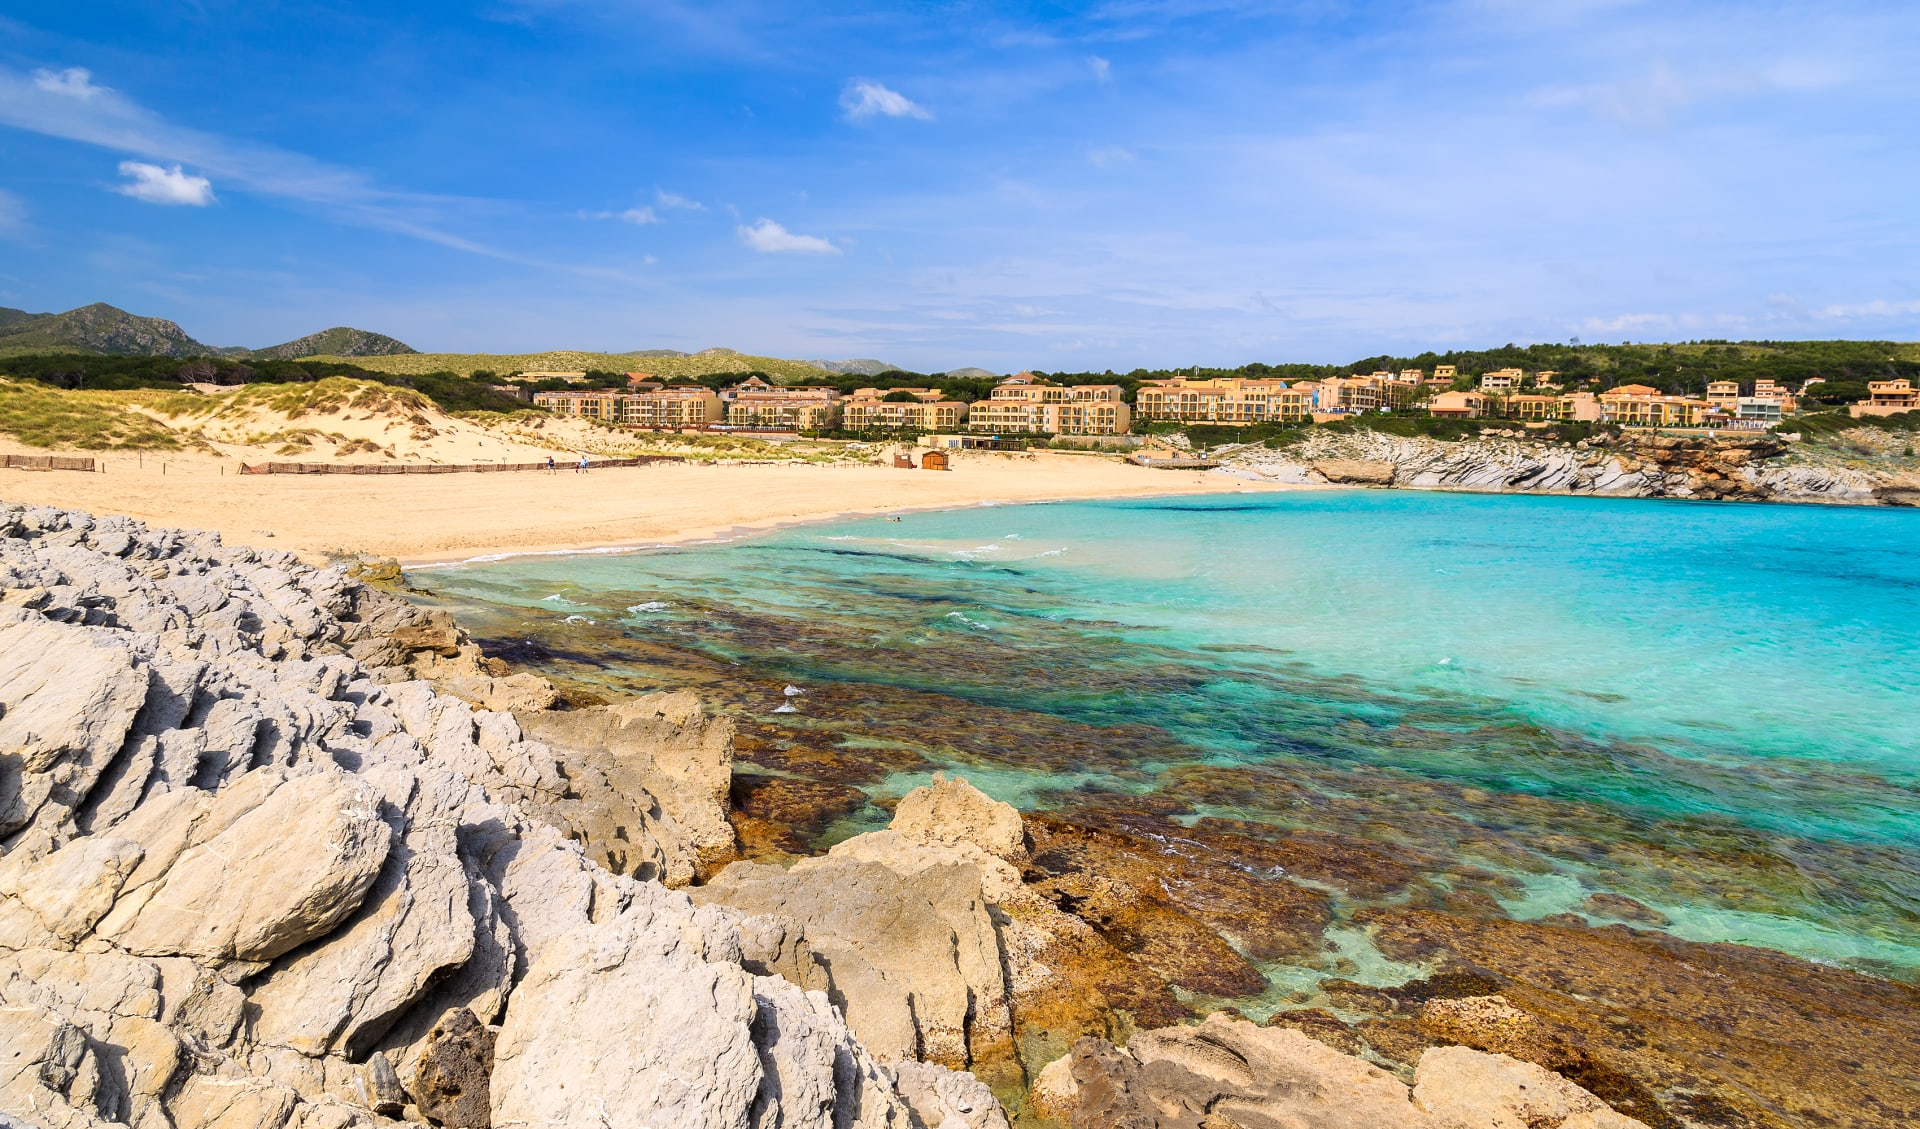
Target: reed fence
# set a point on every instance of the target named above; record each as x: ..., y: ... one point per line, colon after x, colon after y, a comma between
x: 445, y: 468
x: 48, y: 462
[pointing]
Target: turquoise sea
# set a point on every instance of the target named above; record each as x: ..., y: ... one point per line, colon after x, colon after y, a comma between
x: 1711, y: 708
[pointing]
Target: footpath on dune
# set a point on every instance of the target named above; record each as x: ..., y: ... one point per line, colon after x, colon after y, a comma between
x: 283, y: 849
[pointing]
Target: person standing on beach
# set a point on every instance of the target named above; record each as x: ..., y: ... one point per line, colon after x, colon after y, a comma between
x: 583, y: 463
x: 550, y: 467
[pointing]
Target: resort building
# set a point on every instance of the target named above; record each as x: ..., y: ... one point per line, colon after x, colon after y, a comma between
x: 868, y: 409
x: 1458, y: 405
x: 1444, y: 374
x: 1227, y: 400
x: 678, y: 407
x: 602, y: 404
x: 1501, y: 380
x: 1764, y: 410
x: 1886, y: 397
x: 1530, y: 407
x: 569, y: 377
x: 1724, y: 394
x: 1025, y: 404
x: 1352, y: 395
x: 755, y: 403
x: 1636, y: 405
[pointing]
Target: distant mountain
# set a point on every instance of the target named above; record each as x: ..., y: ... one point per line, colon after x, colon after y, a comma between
x: 340, y: 341
x: 859, y: 366
x: 970, y: 373
x: 653, y: 353
x: 99, y: 328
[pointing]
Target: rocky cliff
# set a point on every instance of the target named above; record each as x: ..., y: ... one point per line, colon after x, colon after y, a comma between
x: 258, y: 871
x: 1755, y: 468
x: 282, y: 849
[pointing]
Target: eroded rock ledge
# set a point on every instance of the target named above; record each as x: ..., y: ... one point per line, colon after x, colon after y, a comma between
x: 283, y: 850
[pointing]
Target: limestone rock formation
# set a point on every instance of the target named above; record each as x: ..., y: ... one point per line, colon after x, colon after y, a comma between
x: 897, y: 927
x: 257, y: 869
x: 652, y: 770
x: 1745, y: 468
x: 1227, y: 1071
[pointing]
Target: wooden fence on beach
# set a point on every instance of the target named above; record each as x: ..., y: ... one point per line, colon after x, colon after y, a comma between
x: 445, y: 468
x: 47, y: 462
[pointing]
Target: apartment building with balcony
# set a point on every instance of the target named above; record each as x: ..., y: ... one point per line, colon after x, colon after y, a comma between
x: 1636, y: 405
x: 1025, y: 404
x: 600, y: 404
x: 755, y: 403
x: 868, y: 409
x: 676, y: 407
x: 1223, y: 400
x: 1887, y: 397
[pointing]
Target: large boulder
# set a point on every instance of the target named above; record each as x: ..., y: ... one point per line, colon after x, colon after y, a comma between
x: 1467, y: 1087
x: 628, y: 1023
x: 656, y: 759
x: 68, y: 697
x: 1226, y: 1071
x: 913, y: 960
x: 251, y: 873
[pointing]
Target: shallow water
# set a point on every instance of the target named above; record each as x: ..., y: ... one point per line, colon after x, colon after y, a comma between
x: 1707, y: 707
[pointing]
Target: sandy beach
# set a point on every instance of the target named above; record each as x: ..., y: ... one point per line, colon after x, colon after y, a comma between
x: 438, y: 518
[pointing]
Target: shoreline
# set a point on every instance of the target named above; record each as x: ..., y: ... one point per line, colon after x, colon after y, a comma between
x: 425, y: 520
x: 744, y: 530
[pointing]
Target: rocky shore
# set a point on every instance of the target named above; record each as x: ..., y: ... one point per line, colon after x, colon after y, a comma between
x: 1733, y: 468
x: 283, y: 849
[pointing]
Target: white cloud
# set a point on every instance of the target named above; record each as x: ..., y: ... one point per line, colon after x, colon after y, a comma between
x: 158, y: 185
x: 1878, y: 308
x: 638, y: 215
x: 74, y: 82
x: 1102, y: 68
x: 771, y: 237
x: 673, y: 201
x: 1110, y: 156
x: 864, y: 99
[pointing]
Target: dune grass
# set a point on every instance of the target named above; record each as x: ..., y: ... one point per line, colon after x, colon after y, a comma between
x: 39, y: 416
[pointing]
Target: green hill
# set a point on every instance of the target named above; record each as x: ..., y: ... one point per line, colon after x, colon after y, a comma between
x: 340, y: 341
x: 98, y: 328
x: 504, y: 364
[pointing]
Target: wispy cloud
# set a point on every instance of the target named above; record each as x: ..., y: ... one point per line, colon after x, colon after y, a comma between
x: 1110, y: 156
x: 1102, y: 68
x: 639, y: 215
x: 768, y: 236
x: 13, y: 215
x: 69, y: 104
x: 1653, y: 95
x: 158, y: 185
x: 673, y: 201
x: 1878, y: 308
x: 73, y: 82
x: 866, y: 99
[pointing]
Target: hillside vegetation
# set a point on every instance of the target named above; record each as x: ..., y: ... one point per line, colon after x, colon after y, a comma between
x: 564, y: 360
x: 340, y: 341
x: 98, y: 328
x: 1846, y: 366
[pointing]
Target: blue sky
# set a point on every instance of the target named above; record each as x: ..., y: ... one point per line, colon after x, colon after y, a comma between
x: 1057, y: 186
